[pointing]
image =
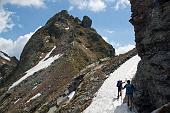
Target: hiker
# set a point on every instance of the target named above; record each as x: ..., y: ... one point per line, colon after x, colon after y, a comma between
x: 119, y: 85
x: 129, y: 94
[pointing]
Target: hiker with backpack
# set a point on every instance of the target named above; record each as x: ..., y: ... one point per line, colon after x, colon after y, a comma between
x: 119, y: 85
x: 129, y: 93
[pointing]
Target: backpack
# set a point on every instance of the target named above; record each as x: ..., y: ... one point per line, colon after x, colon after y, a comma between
x: 119, y: 83
x: 129, y: 89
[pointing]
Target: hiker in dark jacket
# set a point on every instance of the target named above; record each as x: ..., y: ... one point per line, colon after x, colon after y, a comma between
x: 119, y: 85
x: 129, y: 93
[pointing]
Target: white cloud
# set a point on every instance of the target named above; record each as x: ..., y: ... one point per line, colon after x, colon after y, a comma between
x: 70, y: 8
x: 34, y: 3
x: 115, y: 45
x: 5, y: 21
x: 121, y: 4
x: 124, y: 49
x: 15, y: 47
x: 109, y: 31
x: 92, y: 5
x: 99, y: 5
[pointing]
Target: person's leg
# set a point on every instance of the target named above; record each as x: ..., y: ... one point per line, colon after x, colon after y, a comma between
x: 127, y: 100
x: 118, y: 94
x: 121, y: 95
x: 130, y: 101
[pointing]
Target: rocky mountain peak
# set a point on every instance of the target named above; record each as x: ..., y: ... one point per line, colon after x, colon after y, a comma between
x: 66, y: 19
x: 86, y: 22
x: 59, y: 17
x: 51, y: 63
x: 66, y: 32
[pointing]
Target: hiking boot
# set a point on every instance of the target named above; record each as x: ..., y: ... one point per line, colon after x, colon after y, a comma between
x: 130, y: 108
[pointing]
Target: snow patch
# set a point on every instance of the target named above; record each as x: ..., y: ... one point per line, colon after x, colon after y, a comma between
x: 71, y: 95
x: 67, y: 28
x: 105, y: 100
x: 5, y: 57
x: 17, y: 101
x: 34, y: 87
x: 44, y: 63
x: 34, y: 97
x: 105, y: 59
x: 47, y: 41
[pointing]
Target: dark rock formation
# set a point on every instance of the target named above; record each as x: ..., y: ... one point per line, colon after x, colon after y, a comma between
x: 7, y: 67
x: 79, y: 45
x: 86, y: 22
x: 151, y: 20
x: 163, y: 109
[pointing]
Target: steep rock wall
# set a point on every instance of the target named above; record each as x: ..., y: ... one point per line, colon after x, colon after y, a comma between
x: 151, y: 20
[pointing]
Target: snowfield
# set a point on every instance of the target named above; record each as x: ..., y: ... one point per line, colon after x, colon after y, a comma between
x: 105, y: 100
x: 44, y: 63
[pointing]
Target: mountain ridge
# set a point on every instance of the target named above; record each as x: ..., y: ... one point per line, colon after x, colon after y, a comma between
x: 41, y: 77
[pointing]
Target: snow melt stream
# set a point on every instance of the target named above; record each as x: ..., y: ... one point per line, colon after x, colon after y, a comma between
x: 44, y: 63
x: 105, y: 100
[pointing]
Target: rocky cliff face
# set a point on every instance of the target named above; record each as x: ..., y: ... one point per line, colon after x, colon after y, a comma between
x: 151, y: 20
x: 7, y: 67
x: 52, y: 65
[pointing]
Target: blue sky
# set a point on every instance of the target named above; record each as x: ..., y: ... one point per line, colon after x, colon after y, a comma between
x: 19, y: 19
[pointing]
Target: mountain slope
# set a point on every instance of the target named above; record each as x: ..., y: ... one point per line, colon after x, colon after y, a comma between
x: 61, y: 68
x: 50, y: 61
x: 105, y: 100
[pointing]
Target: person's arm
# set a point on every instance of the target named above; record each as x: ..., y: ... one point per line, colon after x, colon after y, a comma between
x: 124, y: 87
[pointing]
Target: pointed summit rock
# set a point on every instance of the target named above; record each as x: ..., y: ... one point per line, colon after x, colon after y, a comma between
x: 86, y: 22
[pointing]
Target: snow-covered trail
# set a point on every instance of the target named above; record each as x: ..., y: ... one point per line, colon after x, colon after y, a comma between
x: 105, y: 100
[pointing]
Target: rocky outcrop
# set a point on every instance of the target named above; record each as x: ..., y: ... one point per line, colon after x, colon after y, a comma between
x: 86, y: 22
x: 7, y: 67
x: 151, y: 20
x: 51, y: 62
x: 163, y: 109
